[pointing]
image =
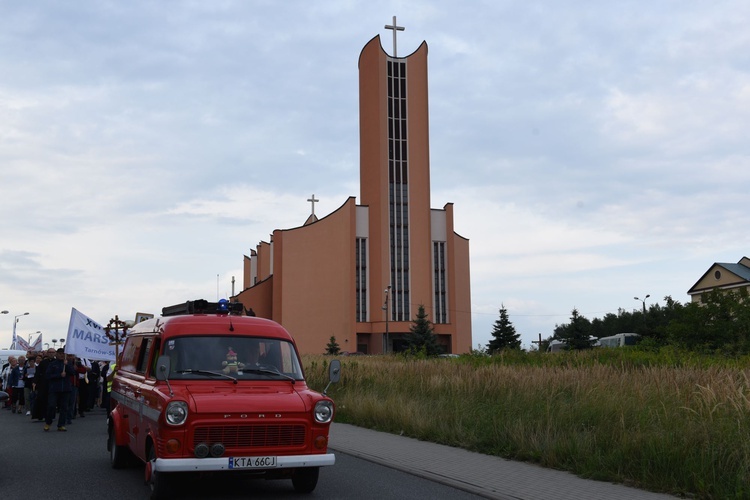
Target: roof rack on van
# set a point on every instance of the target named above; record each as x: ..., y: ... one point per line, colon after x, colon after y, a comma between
x: 201, y: 306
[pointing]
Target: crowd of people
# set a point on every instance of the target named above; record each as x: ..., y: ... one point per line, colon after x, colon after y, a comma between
x: 48, y: 384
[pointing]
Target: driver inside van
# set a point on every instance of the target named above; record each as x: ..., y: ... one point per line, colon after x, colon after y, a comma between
x: 253, y: 353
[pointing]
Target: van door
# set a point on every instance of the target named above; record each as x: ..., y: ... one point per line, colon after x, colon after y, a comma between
x: 131, y: 381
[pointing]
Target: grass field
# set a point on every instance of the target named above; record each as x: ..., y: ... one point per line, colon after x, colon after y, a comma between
x: 664, y: 421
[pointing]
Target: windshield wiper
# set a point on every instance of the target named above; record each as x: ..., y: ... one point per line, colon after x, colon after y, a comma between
x: 208, y: 372
x: 269, y: 371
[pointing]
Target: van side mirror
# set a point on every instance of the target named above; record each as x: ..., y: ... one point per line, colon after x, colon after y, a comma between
x: 334, y: 374
x: 334, y: 371
x: 163, y: 365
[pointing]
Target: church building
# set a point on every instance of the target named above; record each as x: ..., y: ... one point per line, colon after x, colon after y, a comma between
x: 361, y: 273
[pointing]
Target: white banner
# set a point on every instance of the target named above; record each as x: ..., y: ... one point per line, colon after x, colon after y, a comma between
x: 21, y: 344
x: 86, y: 338
x: 37, y: 345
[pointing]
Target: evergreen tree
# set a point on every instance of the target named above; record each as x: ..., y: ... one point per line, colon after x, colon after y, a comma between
x: 504, y: 334
x: 332, y: 347
x: 422, y: 337
x: 577, y: 334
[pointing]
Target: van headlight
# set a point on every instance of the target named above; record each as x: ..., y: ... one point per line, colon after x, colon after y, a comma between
x: 177, y: 412
x: 323, y: 411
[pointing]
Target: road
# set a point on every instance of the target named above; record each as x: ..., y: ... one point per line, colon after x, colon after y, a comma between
x: 75, y: 464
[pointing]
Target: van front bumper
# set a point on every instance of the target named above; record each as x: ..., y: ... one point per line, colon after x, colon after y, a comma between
x: 225, y: 463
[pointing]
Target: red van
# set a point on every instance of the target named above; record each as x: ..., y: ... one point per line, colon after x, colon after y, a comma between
x: 205, y: 388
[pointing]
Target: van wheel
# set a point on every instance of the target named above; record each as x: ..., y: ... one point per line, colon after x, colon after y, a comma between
x: 305, y: 480
x: 159, y: 482
x: 119, y: 456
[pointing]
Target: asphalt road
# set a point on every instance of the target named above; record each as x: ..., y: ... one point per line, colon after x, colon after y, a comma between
x: 75, y: 464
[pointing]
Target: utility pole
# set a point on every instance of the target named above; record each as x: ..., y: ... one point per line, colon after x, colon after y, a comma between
x: 387, y: 314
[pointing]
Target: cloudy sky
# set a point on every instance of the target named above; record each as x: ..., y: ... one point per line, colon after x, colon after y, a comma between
x: 594, y: 151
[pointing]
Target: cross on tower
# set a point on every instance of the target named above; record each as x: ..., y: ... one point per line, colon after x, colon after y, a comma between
x: 313, y: 200
x: 395, y: 27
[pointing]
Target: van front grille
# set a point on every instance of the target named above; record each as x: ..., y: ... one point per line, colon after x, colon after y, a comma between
x: 252, y: 436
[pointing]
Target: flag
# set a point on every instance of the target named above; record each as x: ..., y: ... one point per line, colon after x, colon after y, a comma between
x: 22, y: 345
x: 37, y: 345
x: 86, y: 338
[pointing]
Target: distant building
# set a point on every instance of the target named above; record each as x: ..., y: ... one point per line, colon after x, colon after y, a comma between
x: 334, y: 276
x: 722, y: 276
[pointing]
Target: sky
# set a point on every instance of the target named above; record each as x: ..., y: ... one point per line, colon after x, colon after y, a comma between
x: 594, y: 151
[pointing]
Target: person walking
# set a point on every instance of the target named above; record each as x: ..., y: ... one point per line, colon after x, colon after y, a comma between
x: 40, y: 386
x: 29, y: 395
x: 105, y: 385
x: 93, y: 389
x: 15, y: 381
x: 73, y: 394
x: 59, y: 385
x: 83, y: 367
x: 111, y: 371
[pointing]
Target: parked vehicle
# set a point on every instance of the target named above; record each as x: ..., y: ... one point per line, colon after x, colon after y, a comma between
x: 556, y: 346
x: 561, y: 345
x: 620, y: 340
x: 205, y: 389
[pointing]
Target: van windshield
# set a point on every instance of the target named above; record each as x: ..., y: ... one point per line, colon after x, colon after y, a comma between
x: 243, y: 358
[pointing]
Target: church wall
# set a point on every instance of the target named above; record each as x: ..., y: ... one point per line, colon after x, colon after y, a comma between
x: 373, y: 158
x: 247, y: 272
x: 420, y: 215
x: 258, y: 298
x: 459, y: 294
x: 316, y: 285
x: 263, y: 250
x: 459, y: 309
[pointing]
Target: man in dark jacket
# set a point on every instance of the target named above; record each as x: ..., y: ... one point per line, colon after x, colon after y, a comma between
x: 58, y: 389
x: 40, y: 385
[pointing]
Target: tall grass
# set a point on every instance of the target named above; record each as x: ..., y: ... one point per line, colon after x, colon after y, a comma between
x: 665, y: 421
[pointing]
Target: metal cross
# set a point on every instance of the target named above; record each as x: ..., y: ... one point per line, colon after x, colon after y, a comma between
x: 395, y: 27
x: 312, y: 200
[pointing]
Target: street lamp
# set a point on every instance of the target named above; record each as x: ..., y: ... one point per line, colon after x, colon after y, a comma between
x: 3, y: 312
x: 387, y: 313
x: 15, y: 320
x: 38, y: 339
x: 644, y: 310
x: 644, y: 303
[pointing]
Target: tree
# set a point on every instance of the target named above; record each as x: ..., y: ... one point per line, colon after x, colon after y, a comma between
x: 577, y: 334
x: 332, y: 347
x: 422, y: 337
x: 504, y: 334
x: 721, y: 321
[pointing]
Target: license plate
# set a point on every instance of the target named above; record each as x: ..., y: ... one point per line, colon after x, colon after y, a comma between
x: 251, y: 462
